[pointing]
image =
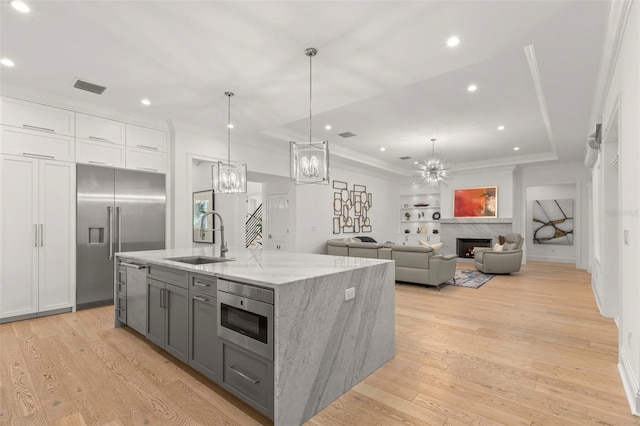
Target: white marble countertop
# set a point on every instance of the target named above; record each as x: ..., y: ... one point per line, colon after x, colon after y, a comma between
x: 262, y: 267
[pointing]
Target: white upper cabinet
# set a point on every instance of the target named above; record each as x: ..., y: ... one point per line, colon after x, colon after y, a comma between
x: 33, y: 116
x: 146, y: 138
x: 33, y: 143
x: 99, y: 129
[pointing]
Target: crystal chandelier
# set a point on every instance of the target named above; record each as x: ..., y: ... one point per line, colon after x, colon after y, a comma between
x: 229, y: 178
x: 309, y: 160
x: 433, y: 170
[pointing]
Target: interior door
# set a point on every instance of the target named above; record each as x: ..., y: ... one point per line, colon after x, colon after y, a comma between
x: 278, y: 221
x: 56, y: 258
x: 19, y: 240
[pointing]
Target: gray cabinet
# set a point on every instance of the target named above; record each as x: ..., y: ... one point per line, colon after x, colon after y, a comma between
x: 121, y: 295
x: 168, y: 317
x: 249, y: 377
x: 205, y: 352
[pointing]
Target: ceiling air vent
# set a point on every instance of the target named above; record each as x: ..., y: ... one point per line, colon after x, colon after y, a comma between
x: 406, y: 157
x: 347, y: 134
x: 89, y: 87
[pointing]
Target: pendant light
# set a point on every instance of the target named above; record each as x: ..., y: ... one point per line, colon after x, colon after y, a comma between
x: 433, y: 170
x: 229, y: 178
x: 309, y: 160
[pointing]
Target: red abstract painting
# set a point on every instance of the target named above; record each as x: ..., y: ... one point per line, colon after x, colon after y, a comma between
x: 476, y: 202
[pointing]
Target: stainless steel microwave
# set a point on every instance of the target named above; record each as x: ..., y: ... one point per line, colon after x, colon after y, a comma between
x: 245, y: 316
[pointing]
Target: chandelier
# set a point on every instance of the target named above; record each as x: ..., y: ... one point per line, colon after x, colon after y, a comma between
x: 229, y: 178
x: 309, y: 160
x: 433, y: 170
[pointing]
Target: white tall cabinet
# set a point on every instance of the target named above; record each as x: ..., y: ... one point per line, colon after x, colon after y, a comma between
x: 37, y: 241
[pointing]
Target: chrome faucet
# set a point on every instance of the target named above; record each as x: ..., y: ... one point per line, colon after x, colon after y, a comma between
x: 223, y: 243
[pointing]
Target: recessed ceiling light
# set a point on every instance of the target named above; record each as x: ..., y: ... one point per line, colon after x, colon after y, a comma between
x: 20, y: 6
x: 383, y: 149
x: 6, y: 62
x: 230, y: 126
x: 415, y: 162
x: 146, y: 102
x: 516, y: 148
x: 328, y: 127
x: 453, y: 41
x: 472, y: 88
x: 501, y: 127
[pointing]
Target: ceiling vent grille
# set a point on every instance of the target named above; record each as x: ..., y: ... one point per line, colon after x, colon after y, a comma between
x: 406, y: 157
x: 89, y: 87
x: 347, y: 134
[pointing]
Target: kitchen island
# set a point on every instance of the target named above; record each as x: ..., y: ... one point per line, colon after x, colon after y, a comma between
x: 332, y: 322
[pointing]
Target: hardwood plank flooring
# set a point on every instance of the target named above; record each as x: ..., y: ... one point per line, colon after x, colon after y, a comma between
x: 526, y: 349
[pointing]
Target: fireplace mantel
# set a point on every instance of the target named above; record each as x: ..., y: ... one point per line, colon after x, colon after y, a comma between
x: 472, y: 227
x: 476, y: 220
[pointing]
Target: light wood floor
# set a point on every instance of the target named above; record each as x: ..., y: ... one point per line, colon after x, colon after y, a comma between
x: 527, y: 349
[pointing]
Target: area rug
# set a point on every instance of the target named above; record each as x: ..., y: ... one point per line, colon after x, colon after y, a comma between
x: 470, y: 278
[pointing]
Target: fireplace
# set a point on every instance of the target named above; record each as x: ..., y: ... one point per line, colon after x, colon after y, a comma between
x: 464, y: 246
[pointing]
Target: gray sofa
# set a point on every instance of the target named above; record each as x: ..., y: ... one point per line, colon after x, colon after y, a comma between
x: 414, y: 264
x: 418, y: 264
x: 351, y: 248
x: 500, y: 262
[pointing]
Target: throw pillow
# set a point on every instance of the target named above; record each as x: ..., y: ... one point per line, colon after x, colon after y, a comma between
x: 436, y: 247
x: 497, y: 247
x: 366, y: 239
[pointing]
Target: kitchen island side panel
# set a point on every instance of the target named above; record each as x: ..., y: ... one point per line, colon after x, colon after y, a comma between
x: 324, y: 344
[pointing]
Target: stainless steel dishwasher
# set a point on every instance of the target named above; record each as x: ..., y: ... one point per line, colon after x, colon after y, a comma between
x: 136, y: 295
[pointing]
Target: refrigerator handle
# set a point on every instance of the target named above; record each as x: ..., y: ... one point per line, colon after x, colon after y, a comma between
x: 35, y: 233
x: 119, y: 219
x: 110, y: 215
x: 41, y: 235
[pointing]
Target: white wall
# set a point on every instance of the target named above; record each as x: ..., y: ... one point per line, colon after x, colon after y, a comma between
x: 556, y: 175
x: 315, y: 209
x: 190, y: 144
x: 624, y: 96
x: 502, y: 177
x: 313, y: 203
x: 551, y: 252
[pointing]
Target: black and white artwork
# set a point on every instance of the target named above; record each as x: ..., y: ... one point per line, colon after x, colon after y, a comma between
x: 553, y: 222
x: 351, y: 209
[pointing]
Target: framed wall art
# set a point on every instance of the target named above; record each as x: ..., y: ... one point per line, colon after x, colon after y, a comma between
x: 476, y: 202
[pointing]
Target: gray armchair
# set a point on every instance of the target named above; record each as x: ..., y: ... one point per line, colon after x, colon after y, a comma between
x: 500, y: 262
x: 417, y: 264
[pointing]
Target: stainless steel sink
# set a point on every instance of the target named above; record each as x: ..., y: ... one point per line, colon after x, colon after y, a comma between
x: 198, y: 260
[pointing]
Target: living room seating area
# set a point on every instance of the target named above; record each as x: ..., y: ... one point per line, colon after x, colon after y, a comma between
x: 414, y: 264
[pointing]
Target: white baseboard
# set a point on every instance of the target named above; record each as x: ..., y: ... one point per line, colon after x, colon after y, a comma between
x: 551, y: 259
x: 629, y: 383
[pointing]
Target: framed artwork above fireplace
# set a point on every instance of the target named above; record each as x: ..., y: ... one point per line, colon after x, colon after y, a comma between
x: 475, y: 202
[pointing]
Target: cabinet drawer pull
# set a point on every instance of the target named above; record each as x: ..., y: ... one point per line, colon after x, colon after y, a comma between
x: 146, y: 168
x: 244, y: 376
x: 28, y: 154
x: 153, y: 148
x: 201, y: 284
x: 200, y: 298
x: 95, y: 138
x: 133, y: 265
x: 44, y: 129
x: 97, y: 162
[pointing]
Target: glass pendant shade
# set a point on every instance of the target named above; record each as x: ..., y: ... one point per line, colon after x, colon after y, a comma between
x: 310, y: 162
x: 229, y: 178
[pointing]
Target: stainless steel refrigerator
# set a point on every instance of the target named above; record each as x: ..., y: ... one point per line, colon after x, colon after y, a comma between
x: 117, y: 210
